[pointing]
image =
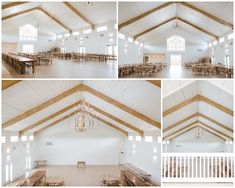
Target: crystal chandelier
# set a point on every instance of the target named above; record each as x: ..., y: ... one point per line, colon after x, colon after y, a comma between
x: 83, y: 119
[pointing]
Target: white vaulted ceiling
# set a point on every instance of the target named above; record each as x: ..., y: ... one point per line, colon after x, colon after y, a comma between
x: 96, y: 12
x: 222, y: 10
x: 141, y: 96
x: 176, y: 92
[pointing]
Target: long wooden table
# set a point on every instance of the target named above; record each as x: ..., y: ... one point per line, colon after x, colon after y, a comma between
x: 18, y: 62
x: 35, y: 179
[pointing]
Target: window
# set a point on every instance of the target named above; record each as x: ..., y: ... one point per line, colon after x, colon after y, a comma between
x: 210, y: 44
x: 130, y: 39
x: 3, y: 139
x: 66, y: 34
x: 230, y: 36
x: 31, y: 137
x: 86, y: 31
x: 215, y: 42
x: 102, y: 28
x: 227, y: 60
x: 130, y: 137
x: 138, y: 138
x: 28, y: 48
x: 136, y: 42
x: 141, y: 44
x: 121, y: 36
x: 59, y: 36
x: 28, y: 162
x: 213, y: 60
x: 82, y: 49
x: 148, y: 139
x: 28, y: 33
x: 23, y: 138
x: 14, y: 138
x: 176, y: 43
x: 63, y: 49
x: 8, y: 173
x: 75, y: 33
x: 111, y: 50
x: 221, y: 40
x: 110, y: 40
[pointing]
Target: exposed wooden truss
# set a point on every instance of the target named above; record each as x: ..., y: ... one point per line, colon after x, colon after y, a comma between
x: 198, y: 98
x: 19, y: 13
x: 155, y: 82
x: 179, y: 130
x: 73, y: 113
x: 213, y: 129
x: 189, y: 128
x: 48, y: 118
x: 180, y: 122
x: 78, y: 88
x: 128, y: 125
x: 172, y: 19
x: 111, y: 125
x: 41, y: 106
x: 190, y: 6
x: 132, y: 20
x: 153, y: 28
x: 223, y: 22
x: 199, y: 28
x: 8, y: 83
x: 56, y: 122
x: 55, y: 19
x: 180, y: 105
x: 197, y: 115
x: 183, y: 132
x: 39, y: 9
x: 121, y: 106
x: 215, y: 122
x: 71, y: 7
x: 13, y: 4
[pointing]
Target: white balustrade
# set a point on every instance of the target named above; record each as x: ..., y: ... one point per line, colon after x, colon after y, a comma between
x: 197, y: 167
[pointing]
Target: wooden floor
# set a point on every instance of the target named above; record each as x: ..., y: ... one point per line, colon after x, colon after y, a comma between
x: 173, y: 72
x: 66, y: 69
x: 73, y: 176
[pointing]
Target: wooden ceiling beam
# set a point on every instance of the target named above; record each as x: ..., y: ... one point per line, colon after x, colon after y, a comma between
x: 199, y: 28
x: 55, y: 19
x: 56, y: 122
x: 48, y: 118
x: 111, y: 125
x: 215, y: 122
x: 140, y: 132
x: 198, y: 98
x: 179, y: 130
x: 8, y: 83
x: 41, y: 106
x: 216, y: 105
x: 180, y: 105
x: 13, y: 4
x: 141, y: 16
x: 78, y: 13
x: 122, y: 106
x: 215, y: 134
x: 181, y: 133
x: 213, y: 129
x: 197, y: 115
x: 223, y: 22
x: 19, y: 13
x: 153, y: 28
x: 155, y: 82
x: 179, y: 122
x: 42, y: 10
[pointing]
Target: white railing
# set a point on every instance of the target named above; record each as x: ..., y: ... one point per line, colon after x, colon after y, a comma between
x: 197, y: 167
